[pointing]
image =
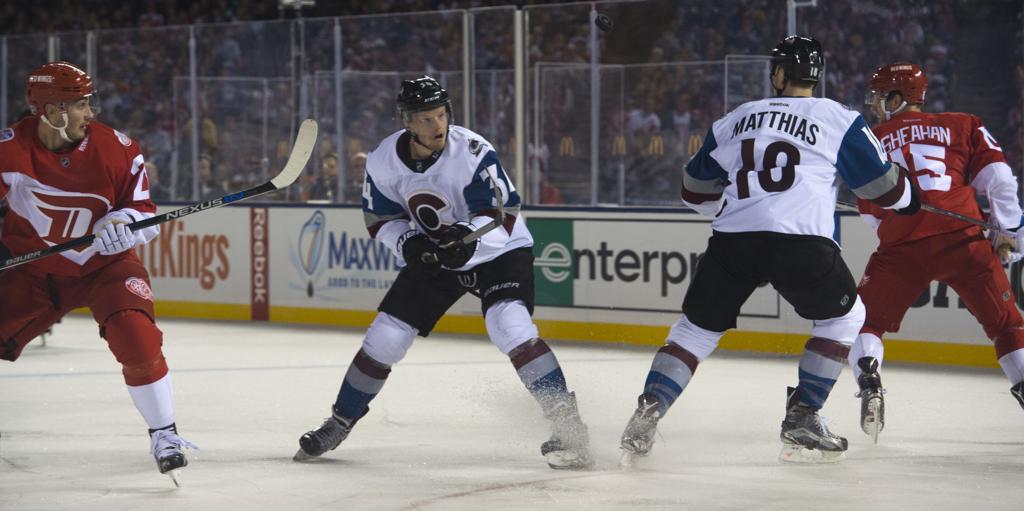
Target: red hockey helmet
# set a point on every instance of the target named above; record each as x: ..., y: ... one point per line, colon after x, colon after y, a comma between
x: 903, y: 77
x: 56, y: 83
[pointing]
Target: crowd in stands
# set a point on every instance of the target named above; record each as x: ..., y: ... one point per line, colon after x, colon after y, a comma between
x: 663, y: 80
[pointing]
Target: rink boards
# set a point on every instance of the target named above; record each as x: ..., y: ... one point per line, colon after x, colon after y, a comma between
x: 601, y: 276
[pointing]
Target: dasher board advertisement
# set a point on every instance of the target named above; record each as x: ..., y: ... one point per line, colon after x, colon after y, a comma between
x: 325, y: 258
x: 625, y: 264
x: 201, y: 258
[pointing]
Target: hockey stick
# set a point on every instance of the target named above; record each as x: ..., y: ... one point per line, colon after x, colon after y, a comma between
x: 939, y: 211
x: 1006, y: 251
x: 301, y: 151
x: 499, y: 219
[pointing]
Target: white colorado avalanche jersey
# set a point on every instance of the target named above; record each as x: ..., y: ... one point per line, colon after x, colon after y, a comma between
x: 456, y: 187
x: 771, y: 166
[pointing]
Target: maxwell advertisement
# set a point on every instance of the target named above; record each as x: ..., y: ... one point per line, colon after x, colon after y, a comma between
x: 325, y: 258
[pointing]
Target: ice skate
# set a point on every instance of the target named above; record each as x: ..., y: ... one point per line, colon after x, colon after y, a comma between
x: 638, y: 437
x: 569, y: 446
x: 872, y: 402
x: 325, y: 438
x: 805, y: 438
x: 166, y: 447
x: 1017, y: 391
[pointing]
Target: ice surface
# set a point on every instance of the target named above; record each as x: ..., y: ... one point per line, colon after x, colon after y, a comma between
x: 453, y: 429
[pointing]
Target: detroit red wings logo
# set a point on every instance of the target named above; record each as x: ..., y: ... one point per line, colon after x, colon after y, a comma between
x: 139, y: 287
x: 55, y: 215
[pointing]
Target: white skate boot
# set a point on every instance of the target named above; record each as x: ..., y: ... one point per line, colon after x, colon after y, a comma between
x: 166, y: 447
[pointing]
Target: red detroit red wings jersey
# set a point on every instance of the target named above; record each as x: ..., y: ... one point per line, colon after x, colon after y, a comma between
x: 943, y: 152
x: 56, y: 197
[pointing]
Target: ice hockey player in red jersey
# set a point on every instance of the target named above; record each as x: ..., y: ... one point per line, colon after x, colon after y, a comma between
x: 951, y: 156
x: 64, y: 175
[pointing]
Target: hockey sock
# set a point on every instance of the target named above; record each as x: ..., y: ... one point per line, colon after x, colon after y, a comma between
x: 364, y: 379
x: 820, y: 366
x: 670, y: 373
x: 1010, y: 353
x: 539, y: 371
x: 1013, y: 365
x: 867, y: 344
x: 155, y: 401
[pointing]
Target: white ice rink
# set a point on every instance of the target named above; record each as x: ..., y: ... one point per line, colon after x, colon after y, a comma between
x: 453, y: 429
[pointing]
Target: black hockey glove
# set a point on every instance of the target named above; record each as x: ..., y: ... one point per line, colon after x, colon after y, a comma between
x: 458, y: 253
x: 915, y: 196
x: 414, y: 245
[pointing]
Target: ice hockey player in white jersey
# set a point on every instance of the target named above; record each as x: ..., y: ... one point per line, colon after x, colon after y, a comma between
x: 429, y: 188
x: 767, y: 172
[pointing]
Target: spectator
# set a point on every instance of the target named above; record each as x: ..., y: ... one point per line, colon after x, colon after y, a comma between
x: 356, y: 174
x: 210, y: 186
x: 325, y: 187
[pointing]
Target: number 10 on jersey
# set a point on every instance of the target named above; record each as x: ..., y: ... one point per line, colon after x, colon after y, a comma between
x: 765, y: 178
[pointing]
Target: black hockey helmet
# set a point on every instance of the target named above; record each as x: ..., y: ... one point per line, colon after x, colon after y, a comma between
x: 423, y: 93
x: 800, y: 57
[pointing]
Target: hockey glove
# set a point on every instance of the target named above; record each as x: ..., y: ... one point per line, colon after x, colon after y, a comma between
x: 915, y: 196
x: 1008, y: 244
x: 452, y: 252
x: 414, y: 245
x: 112, y: 234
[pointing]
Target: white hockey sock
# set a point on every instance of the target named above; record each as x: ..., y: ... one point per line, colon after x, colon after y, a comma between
x: 866, y: 345
x: 155, y: 402
x: 1013, y: 365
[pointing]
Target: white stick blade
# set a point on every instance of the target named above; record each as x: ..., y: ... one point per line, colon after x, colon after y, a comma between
x: 301, y: 151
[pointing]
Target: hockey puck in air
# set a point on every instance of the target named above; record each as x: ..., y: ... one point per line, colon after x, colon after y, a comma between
x: 604, y: 23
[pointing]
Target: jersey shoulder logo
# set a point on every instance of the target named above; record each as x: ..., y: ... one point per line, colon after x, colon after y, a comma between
x: 475, y: 146
x: 6, y: 134
x: 123, y: 139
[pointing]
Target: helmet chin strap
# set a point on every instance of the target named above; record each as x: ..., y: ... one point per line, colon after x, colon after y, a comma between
x: 63, y: 129
x: 890, y: 113
x: 416, y: 138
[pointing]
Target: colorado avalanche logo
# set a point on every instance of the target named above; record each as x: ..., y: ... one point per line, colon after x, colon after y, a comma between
x: 311, y: 242
x: 139, y: 287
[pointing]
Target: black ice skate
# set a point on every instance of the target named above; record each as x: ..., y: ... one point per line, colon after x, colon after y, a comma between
x: 166, y: 448
x: 872, y: 402
x: 805, y: 439
x: 569, y: 446
x: 1017, y: 391
x: 638, y: 437
x: 325, y: 438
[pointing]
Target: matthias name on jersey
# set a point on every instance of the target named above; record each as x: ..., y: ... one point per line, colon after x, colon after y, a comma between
x: 791, y: 124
